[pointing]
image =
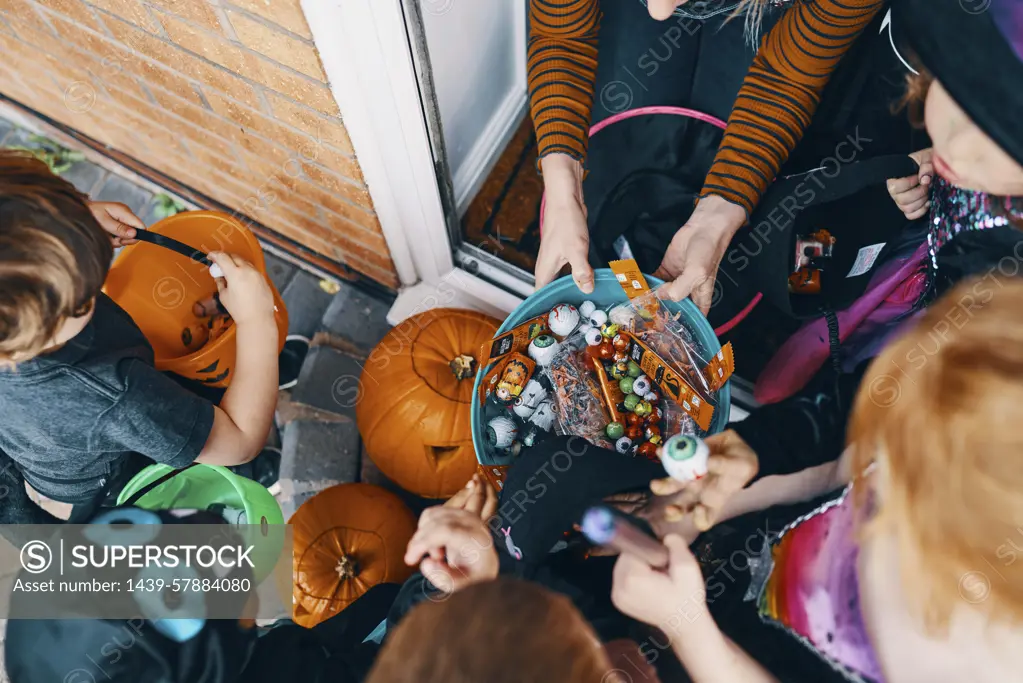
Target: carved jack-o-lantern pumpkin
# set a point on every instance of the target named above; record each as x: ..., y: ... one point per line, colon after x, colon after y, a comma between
x: 347, y: 539
x: 416, y: 389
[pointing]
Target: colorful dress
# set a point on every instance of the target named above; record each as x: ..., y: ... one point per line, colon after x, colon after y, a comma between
x: 806, y: 582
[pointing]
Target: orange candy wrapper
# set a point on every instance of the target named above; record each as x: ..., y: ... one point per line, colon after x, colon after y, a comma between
x: 495, y: 474
x: 613, y: 395
x: 515, y: 340
x: 720, y: 368
x: 671, y: 383
x: 507, y: 378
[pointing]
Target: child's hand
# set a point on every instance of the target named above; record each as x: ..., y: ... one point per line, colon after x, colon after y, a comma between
x: 478, y: 497
x: 912, y: 193
x: 244, y: 292
x: 118, y: 220
x: 731, y: 466
x: 453, y: 548
x: 672, y: 600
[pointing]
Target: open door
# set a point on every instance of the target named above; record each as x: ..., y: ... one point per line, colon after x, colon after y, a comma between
x: 470, y: 62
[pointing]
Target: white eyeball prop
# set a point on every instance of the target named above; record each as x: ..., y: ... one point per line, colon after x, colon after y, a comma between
x: 216, y: 271
x: 623, y: 444
x: 501, y: 432
x: 685, y: 458
x: 642, y: 386
x: 587, y: 308
x: 594, y: 337
x: 563, y: 319
x: 598, y: 318
x: 543, y: 349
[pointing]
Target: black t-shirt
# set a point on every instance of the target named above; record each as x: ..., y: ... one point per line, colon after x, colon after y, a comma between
x: 72, y: 417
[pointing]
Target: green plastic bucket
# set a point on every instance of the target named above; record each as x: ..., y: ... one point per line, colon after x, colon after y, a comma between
x: 203, y: 486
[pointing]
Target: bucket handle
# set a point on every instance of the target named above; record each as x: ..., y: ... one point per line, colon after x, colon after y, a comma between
x: 153, y: 484
x: 197, y: 255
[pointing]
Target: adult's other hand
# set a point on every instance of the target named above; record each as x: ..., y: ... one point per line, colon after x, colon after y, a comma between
x: 691, y: 263
x: 566, y: 237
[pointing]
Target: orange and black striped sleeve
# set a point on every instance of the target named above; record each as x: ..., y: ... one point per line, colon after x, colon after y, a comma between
x: 562, y: 73
x: 781, y: 93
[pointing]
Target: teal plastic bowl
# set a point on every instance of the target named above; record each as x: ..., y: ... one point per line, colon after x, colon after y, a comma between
x: 606, y: 291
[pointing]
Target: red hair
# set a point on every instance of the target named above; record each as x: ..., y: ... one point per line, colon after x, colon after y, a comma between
x: 940, y: 411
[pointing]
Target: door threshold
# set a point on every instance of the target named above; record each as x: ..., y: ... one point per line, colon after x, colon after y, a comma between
x: 458, y: 288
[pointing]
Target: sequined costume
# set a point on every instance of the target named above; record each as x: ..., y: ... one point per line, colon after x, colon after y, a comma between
x: 809, y: 587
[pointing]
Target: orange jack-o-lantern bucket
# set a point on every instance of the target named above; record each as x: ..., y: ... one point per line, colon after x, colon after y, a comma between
x: 158, y: 288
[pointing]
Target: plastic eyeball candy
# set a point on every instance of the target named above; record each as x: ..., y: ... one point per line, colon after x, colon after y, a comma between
x: 685, y: 458
x: 587, y: 308
x: 563, y: 319
x: 642, y: 385
x: 593, y: 337
x: 623, y: 444
x: 543, y: 349
x: 615, y: 430
x: 501, y: 432
x: 598, y: 318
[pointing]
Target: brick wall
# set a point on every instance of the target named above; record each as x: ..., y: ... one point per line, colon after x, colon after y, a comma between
x: 226, y: 96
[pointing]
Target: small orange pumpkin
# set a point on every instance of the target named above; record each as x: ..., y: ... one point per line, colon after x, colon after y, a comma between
x: 413, y: 412
x: 347, y: 539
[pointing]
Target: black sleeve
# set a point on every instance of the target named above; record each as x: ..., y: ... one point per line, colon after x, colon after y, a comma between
x: 805, y: 430
x: 156, y: 417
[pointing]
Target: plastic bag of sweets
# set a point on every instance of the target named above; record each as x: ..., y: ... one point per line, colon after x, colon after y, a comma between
x: 578, y: 401
x: 665, y: 333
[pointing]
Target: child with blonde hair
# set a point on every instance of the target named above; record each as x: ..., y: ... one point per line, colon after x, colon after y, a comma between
x: 910, y: 572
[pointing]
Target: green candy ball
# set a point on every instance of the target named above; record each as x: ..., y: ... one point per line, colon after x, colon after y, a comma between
x: 615, y: 430
x: 634, y: 369
x: 631, y: 401
x: 626, y: 385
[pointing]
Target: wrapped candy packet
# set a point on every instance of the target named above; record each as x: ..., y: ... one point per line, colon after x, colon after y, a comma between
x: 578, y: 400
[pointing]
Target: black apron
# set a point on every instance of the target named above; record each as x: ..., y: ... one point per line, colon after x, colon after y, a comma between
x: 645, y: 172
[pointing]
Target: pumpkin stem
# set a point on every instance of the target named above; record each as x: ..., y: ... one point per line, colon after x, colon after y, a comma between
x: 464, y: 366
x: 346, y: 567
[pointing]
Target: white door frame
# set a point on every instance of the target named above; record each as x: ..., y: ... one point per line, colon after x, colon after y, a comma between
x: 366, y: 52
